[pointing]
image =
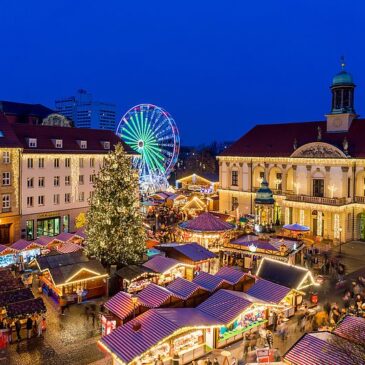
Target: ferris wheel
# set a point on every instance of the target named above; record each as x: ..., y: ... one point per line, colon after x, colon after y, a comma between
x: 152, y: 132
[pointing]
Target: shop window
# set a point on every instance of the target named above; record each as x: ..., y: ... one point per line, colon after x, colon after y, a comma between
x: 41, y: 163
x: 92, y: 162
x: 30, y: 230
x: 56, y: 181
x: 6, y: 157
x: 6, y: 179
x: 6, y: 205
x: 48, y: 227
x: 67, y: 162
x: 41, y: 200
x: 67, y: 180
x: 234, y: 178
x: 56, y: 163
x: 41, y: 182
x: 56, y: 199
x: 81, y: 179
x: 29, y: 201
x: 30, y: 182
x: 81, y: 196
x: 30, y: 163
x: 67, y: 198
x: 81, y: 162
x: 234, y: 203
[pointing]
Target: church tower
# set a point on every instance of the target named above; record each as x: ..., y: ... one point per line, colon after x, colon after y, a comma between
x: 342, y: 111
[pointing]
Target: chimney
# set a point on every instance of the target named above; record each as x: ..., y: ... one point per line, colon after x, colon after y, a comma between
x: 136, y: 326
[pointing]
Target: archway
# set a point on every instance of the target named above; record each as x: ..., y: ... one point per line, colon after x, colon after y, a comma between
x: 275, y: 178
x: 257, y: 176
x: 360, y: 184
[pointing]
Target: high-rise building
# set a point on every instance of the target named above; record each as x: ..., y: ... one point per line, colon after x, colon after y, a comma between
x: 86, y: 112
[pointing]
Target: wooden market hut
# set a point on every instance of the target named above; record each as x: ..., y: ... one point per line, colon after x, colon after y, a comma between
x: 206, y: 184
x: 134, y: 278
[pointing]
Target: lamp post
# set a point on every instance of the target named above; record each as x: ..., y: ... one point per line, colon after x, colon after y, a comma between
x: 340, y: 231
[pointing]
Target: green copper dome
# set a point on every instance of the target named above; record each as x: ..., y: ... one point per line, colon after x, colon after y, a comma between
x: 264, y: 195
x: 342, y: 78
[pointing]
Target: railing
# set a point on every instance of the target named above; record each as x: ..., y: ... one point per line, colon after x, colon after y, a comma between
x: 318, y: 200
x: 360, y: 199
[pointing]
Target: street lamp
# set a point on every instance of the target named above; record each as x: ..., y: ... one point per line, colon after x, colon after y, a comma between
x: 340, y: 231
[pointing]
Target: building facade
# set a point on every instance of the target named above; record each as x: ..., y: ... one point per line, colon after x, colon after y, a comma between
x: 315, y: 169
x: 86, y: 112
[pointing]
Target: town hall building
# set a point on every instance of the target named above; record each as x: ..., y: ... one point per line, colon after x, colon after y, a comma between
x: 316, y: 170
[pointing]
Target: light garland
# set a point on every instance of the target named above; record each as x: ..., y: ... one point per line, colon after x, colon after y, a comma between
x: 301, y: 217
x: 319, y: 223
x: 336, y: 226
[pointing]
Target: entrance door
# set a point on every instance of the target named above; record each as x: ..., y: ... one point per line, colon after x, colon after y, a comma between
x: 5, y: 233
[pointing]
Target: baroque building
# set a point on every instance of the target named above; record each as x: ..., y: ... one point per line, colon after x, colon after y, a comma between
x: 316, y: 170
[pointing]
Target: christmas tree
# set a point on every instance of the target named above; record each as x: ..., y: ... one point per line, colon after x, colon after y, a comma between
x: 115, y: 233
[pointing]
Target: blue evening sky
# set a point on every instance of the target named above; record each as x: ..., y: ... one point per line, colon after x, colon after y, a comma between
x: 218, y: 66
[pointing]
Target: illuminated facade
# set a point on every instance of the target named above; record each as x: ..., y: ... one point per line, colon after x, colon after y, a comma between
x: 316, y: 170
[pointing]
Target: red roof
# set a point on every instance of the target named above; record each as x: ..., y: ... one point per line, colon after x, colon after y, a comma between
x: 206, y: 222
x: 276, y: 140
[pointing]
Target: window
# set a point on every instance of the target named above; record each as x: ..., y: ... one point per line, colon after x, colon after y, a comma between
x: 67, y: 180
x: 56, y: 163
x: 67, y: 162
x: 81, y: 179
x: 67, y: 198
x: 81, y: 162
x: 279, y: 181
x: 56, y: 199
x: 92, y: 178
x: 41, y: 182
x: 106, y: 145
x: 29, y: 201
x: 6, y: 157
x: 41, y: 200
x: 234, y: 179
x: 32, y: 142
x: 30, y: 182
x: 262, y: 175
x: 30, y: 230
x: 41, y: 163
x: 58, y: 143
x: 6, y: 178
x: 92, y: 162
x: 83, y: 145
x: 318, y: 187
x: 91, y: 194
x: 81, y: 196
x: 56, y: 181
x: 234, y: 202
x: 6, y: 203
x: 348, y: 187
x: 30, y: 163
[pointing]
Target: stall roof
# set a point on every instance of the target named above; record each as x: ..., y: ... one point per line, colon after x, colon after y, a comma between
x: 153, y: 295
x: 184, y: 288
x: 132, y: 272
x: 4, y: 248
x: 206, y: 222
x: 352, y: 328
x: 268, y: 291
x: 65, y: 236
x: 160, y: 264
x: 290, y: 276
x: 46, y: 240
x: 25, y: 307
x: 128, y: 342
x: 192, y: 251
x: 226, y: 305
x: 57, y: 260
x: 23, y: 245
x: 81, y: 233
x: 316, y: 348
x: 230, y: 274
x: 16, y: 295
x: 121, y: 304
x: 68, y: 247
x: 208, y: 281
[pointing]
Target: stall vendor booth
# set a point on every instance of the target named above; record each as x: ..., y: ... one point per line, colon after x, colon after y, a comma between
x: 27, y: 249
x: 72, y: 276
x: 134, y: 278
x: 8, y: 256
x: 247, y: 251
x: 203, y: 184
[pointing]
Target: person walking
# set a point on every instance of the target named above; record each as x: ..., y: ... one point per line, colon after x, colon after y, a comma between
x: 215, y: 361
x: 18, y: 327
x: 274, y: 321
x: 39, y: 325
x: 270, y: 339
x: 29, y: 327
x: 159, y: 360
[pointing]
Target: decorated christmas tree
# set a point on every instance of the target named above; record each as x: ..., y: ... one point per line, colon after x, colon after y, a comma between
x: 115, y: 233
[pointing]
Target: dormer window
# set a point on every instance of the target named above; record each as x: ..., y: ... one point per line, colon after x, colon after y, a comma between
x: 58, y: 143
x: 32, y: 142
x: 106, y: 145
x: 83, y: 145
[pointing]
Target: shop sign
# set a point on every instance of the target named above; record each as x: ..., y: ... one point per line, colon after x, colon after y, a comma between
x: 48, y: 215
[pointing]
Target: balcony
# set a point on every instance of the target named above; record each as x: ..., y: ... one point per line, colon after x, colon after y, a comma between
x: 360, y: 199
x: 318, y: 200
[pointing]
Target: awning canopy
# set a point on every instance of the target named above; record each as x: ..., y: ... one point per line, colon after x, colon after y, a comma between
x: 296, y: 227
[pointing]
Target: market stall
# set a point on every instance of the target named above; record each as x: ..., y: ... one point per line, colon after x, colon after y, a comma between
x: 134, y: 278
x: 8, y: 256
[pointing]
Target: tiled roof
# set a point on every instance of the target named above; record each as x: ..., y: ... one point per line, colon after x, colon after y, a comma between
x: 10, y: 107
x: 208, y: 281
x: 230, y: 274
x: 155, y: 325
x: 45, y: 240
x: 153, y: 295
x: 65, y: 236
x: 206, y: 222
x: 316, y: 348
x: 183, y: 288
x: 160, y: 264
x: 268, y: 291
x: 8, y: 249
x: 225, y: 305
x: 25, y: 307
x: 192, y: 251
x: 276, y: 140
x: 14, y: 296
x: 352, y: 328
x: 121, y: 305
x: 68, y: 247
x: 23, y: 244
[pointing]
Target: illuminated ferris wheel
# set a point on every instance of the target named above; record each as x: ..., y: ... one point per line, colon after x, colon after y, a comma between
x: 152, y: 132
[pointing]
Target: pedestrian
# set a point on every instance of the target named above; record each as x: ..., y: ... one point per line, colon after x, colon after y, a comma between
x: 274, y: 320
x: 209, y: 361
x: 87, y: 313
x: 63, y: 303
x: 79, y: 293
x: 327, y: 308
x: 44, y: 324
x: 29, y: 326
x: 159, y: 360
x: 18, y: 327
x: 215, y: 361
x: 175, y: 359
x: 93, y: 317
x: 234, y: 361
x: 10, y: 330
x: 39, y: 326
x: 270, y: 338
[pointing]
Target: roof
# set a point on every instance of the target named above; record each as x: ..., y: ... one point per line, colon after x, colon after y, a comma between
x: 13, y: 108
x: 343, y: 78
x: 268, y: 291
x: 160, y: 264
x: 264, y: 194
x: 211, y: 177
x: 192, y: 251
x: 276, y: 140
x: 153, y: 295
x: 155, y: 325
x: 316, y: 348
x: 68, y: 247
x: 65, y: 236
x: 132, y: 272
x: 230, y: 274
x: 225, y: 305
x: 184, y: 288
x: 80, y: 233
x: 25, y: 307
x: 208, y: 281
x: 7, y: 249
x: 120, y: 304
x: 23, y: 244
x: 352, y: 328
x: 46, y: 240
x: 54, y: 261
x: 278, y: 272
x: 16, y: 295
x: 206, y: 222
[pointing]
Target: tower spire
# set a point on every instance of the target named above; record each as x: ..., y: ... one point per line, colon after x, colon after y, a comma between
x: 342, y: 62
